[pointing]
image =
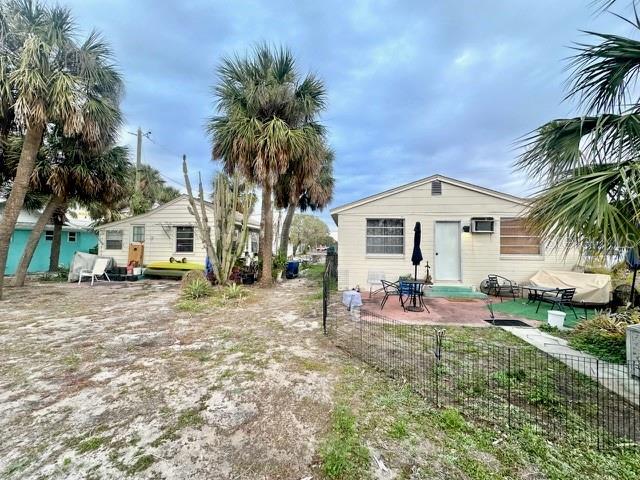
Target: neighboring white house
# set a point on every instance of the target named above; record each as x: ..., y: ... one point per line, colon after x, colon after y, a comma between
x: 468, y: 232
x: 168, y: 230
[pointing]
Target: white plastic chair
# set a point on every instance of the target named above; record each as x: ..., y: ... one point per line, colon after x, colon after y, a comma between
x: 375, y: 279
x: 98, y: 271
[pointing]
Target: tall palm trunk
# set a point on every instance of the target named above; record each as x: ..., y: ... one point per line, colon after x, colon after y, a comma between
x: 58, y: 222
x: 19, y: 188
x: 286, y: 228
x: 34, y: 237
x: 266, y: 241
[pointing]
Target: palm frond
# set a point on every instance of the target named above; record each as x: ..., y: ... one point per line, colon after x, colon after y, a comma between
x: 562, y: 145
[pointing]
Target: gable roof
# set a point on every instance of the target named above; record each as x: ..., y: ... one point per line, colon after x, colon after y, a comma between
x: 158, y: 209
x: 452, y: 181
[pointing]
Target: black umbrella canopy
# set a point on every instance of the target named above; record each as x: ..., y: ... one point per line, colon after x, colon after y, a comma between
x: 416, y: 256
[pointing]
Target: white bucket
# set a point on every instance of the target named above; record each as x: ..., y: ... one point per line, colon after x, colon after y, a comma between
x: 555, y: 318
x: 137, y: 271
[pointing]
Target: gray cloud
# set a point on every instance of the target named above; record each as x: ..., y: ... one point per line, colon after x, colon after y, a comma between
x: 414, y: 87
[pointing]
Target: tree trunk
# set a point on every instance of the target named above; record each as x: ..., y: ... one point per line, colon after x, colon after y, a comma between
x: 34, y: 238
x: 58, y: 222
x: 266, y: 244
x: 286, y: 228
x: 19, y: 188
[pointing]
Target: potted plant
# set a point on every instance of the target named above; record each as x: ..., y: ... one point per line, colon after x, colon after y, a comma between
x: 279, y: 262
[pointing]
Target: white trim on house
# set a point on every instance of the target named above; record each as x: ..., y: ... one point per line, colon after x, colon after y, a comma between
x: 459, y: 183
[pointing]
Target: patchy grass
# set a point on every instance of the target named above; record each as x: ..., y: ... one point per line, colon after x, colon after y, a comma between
x: 188, y: 418
x: 344, y: 455
x: 415, y: 440
x: 91, y: 444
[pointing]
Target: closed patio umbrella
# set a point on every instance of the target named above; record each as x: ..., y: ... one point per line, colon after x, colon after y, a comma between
x: 416, y: 256
x: 633, y: 261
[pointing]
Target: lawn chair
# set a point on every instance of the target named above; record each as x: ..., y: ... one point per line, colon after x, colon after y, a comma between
x: 390, y: 290
x: 96, y: 272
x: 500, y: 286
x: 374, y: 279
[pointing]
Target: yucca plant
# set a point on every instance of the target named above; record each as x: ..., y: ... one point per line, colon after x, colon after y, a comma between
x: 197, y: 288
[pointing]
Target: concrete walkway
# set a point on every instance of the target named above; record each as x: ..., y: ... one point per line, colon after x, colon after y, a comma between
x: 612, y: 376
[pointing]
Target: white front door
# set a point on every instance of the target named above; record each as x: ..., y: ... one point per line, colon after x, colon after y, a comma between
x: 447, y: 252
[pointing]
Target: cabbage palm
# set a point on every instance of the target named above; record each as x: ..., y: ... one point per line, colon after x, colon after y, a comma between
x: 47, y: 76
x: 267, y: 118
x: 295, y: 190
x: 589, y: 165
x: 67, y: 171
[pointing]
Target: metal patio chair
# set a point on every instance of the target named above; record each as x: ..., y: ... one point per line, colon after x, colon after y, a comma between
x: 563, y: 298
x: 500, y: 286
x: 391, y: 289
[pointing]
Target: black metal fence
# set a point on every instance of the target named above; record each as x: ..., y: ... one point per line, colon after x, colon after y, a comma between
x: 580, y: 398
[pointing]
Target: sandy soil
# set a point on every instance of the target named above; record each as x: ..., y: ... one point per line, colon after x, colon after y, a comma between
x: 113, y: 381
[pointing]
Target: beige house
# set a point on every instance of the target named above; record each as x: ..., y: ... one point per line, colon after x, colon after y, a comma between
x: 468, y: 232
x: 168, y: 230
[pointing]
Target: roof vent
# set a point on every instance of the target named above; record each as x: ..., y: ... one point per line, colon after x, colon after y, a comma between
x: 436, y: 187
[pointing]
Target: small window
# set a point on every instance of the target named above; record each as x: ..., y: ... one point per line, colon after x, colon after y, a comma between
x: 138, y: 233
x: 436, y: 187
x: 114, y: 240
x: 72, y: 237
x: 184, y: 239
x: 48, y: 235
x: 254, y: 243
x: 385, y: 236
x: 515, y: 239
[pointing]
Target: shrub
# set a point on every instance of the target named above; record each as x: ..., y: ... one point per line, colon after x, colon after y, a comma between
x: 197, y: 288
x: 234, y: 291
x: 190, y: 276
x: 605, y: 334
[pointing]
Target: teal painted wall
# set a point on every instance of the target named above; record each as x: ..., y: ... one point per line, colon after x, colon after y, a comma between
x: 40, y: 261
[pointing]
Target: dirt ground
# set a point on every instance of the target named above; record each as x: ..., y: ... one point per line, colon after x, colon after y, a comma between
x: 113, y: 381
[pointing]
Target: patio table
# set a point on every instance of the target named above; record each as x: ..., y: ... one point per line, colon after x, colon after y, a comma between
x: 417, y: 302
x: 351, y: 298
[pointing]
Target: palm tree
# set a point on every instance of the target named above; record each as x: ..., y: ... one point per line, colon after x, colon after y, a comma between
x: 47, y: 76
x: 313, y: 192
x: 267, y: 119
x: 589, y: 164
x: 66, y: 171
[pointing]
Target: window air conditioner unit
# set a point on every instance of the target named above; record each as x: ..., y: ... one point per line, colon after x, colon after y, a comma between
x: 482, y: 225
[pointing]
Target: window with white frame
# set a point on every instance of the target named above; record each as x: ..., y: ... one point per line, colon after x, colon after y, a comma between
x: 254, y: 242
x: 48, y: 235
x: 385, y: 236
x: 113, y: 240
x: 516, y: 239
x: 184, y: 239
x: 72, y: 237
x: 137, y: 235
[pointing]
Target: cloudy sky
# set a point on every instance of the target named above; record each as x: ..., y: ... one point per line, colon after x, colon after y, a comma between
x: 415, y: 87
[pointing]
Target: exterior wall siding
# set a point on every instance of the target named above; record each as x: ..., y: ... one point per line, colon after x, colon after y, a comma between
x: 160, y: 235
x: 85, y: 241
x: 480, y: 252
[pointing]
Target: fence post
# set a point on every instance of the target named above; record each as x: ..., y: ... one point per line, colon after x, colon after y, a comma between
x: 325, y: 293
x: 509, y: 387
x: 439, y: 334
x: 598, y: 427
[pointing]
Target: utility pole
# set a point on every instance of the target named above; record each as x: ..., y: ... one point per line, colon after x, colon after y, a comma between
x: 138, y: 159
x: 139, y: 135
